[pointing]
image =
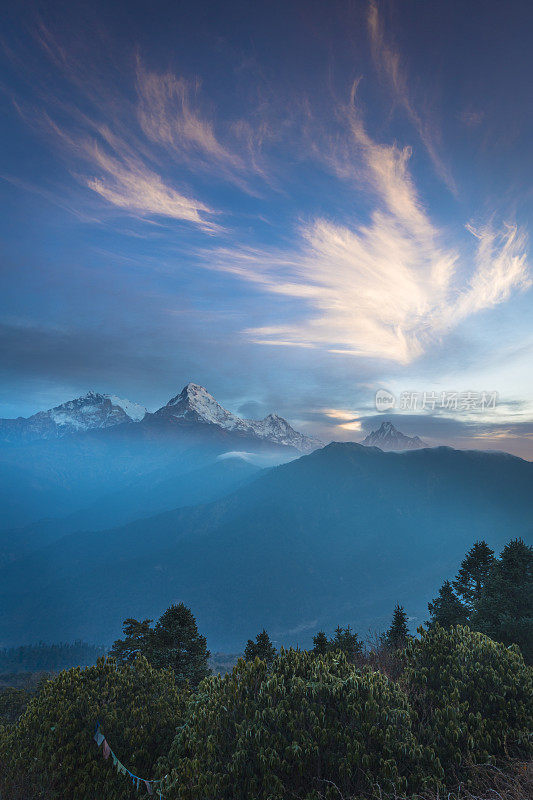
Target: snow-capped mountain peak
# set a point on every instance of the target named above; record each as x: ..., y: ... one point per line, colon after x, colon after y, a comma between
x: 194, y: 404
x: 92, y: 410
x: 387, y: 437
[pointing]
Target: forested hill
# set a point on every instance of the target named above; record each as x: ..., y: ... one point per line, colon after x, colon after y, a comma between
x: 338, y: 536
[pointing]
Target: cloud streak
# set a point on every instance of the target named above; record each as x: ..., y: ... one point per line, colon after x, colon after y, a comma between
x: 129, y: 184
x: 168, y: 114
x: 389, y: 64
x: 106, y: 152
x: 386, y: 289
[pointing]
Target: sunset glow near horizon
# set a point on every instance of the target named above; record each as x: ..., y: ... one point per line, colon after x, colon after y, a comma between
x: 293, y: 205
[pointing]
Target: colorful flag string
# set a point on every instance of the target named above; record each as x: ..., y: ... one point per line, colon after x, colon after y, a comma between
x: 150, y: 785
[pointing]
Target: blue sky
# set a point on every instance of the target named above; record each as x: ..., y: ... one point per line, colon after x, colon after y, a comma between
x: 293, y: 204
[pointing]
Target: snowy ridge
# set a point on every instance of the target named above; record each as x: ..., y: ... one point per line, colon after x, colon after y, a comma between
x: 390, y: 438
x: 134, y: 411
x: 192, y: 405
x: 195, y: 404
x: 89, y: 412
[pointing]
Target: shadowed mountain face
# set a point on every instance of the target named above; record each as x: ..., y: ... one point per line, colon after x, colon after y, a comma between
x: 62, y: 472
x: 159, y: 491
x: 336, y: 537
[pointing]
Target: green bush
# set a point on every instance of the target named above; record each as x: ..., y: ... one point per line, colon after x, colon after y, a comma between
x: 308, y: 727
x: 474, y: 696
x: 13, y: 702
x: 51, y: 754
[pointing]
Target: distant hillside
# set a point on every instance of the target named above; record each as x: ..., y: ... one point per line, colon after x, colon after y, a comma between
x: 336, y: 537
x: 150, y: 494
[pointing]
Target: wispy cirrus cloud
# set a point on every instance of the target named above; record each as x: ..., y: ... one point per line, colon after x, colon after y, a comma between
x: 501, y: 268
x: 387, y: 59
x: 117, y: 170
x: 169, y: 114
x: 137, y: 189
x: 386, y: 289
x: 105, y: 152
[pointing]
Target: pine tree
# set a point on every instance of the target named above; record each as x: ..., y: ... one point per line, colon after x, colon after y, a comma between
x: 347, y: 642
x: 262, y: 648
x: 250, y: 651
x: 475, y: 569
x: 321, y: 644
x: 446, y: 609
x: 505, y: 609
x: 173, y: 643
x: 136, y: 635
x: 398, y: 633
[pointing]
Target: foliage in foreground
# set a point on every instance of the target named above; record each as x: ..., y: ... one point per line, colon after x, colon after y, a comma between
x: 50, y: 752
x: 295, y: 730
x: 475, y: 696
x: 13, y: 703
x: 315, y: 726
x: 305, y: 725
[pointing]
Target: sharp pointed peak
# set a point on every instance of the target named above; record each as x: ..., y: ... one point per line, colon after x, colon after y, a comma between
x: 194, y: 405
x: 193, y: 387
x: 189, y: 392
x: 387, y: 425
x: 388, y: 437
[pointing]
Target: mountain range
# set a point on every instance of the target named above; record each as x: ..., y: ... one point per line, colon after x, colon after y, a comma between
x: 192, y: 406
x: 334, y: 537
x: 110, y: 511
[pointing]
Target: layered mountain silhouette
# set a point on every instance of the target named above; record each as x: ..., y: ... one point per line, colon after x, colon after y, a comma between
x: 335, y: 537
